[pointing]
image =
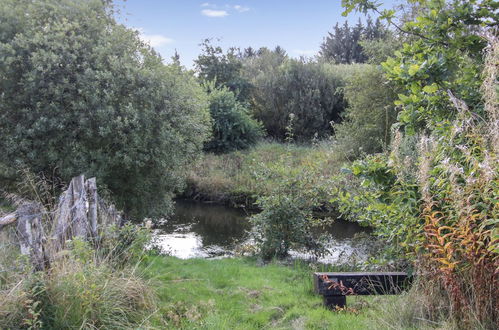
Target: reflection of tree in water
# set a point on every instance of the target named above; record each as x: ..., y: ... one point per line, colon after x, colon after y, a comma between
x: 344, y: 230
x: 215, y: 224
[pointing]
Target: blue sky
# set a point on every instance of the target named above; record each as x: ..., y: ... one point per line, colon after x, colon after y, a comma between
x: 297, y: 26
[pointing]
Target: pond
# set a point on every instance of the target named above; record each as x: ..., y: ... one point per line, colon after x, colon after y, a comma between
x: 203, y: 230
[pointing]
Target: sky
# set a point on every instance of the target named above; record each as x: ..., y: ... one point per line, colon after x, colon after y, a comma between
x: 299, y: 26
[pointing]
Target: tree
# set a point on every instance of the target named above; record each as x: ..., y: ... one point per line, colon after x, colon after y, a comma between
x: 378, y: 51
x: 369, y: 116
x: 344, y: 44
x: 223, y: 69
x: 233, y: 126
x: 83, y: 94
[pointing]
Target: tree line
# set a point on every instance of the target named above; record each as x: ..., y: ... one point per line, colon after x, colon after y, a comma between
x: 274, y: 86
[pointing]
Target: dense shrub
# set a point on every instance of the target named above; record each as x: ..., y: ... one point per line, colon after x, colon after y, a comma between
x: 83, y: 94
x: 310, y: 91
x: 286, y: 220
x: 233, y: 126
x: 284, y: 223
x: 367, y: 121
x: 381, y: 191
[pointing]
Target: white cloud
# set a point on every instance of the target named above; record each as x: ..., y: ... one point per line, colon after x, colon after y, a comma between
x: 241, y: 9
x: 155, y: 40
x: 214, y: 13
x: 305, y: 52
x: 207, y: 4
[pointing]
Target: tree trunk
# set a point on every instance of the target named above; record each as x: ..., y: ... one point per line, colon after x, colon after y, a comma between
x: 31, y: 235
x: 79, y: 210
x: 91, y: 187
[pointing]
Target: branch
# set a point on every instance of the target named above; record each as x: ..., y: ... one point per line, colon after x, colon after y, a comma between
x: 8, y: 219
x: 398, y: 27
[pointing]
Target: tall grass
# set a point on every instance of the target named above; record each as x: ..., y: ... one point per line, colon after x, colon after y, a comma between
x: 85, y: 287
x: 234, y: 178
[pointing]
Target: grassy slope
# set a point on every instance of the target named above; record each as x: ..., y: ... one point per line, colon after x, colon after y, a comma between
x: 230, y: 178
x: 237, y: 294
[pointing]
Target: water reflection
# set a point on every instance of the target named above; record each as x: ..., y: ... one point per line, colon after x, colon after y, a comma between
x: 208, y: 230
x: 203, y: 230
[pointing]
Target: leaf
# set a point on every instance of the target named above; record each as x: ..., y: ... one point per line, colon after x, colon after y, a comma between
x: 413, y: 69
x: 430, y: 89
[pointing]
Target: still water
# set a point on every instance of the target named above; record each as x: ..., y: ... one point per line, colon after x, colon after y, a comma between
x: 201, y: 230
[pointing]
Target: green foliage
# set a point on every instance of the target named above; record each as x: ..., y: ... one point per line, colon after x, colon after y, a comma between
x: 371, y: 193
x: 283, y: 224
x: 264, y: 61
x: 233, y: 126
x: 444, y: 211
x: 286, y: 220
x: 431, y: 61
x: 309, y: 90
x: 442, y: 56
x: 443, y: 52
x: 379, y: 50
x: 83, y: 94
x: 223, y: 69
x: 367, y: 121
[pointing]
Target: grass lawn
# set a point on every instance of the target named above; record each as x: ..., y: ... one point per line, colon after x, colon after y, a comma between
x: 239, y: 294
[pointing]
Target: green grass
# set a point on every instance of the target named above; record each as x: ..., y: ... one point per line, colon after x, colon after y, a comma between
x: 231, y: 178
x: 239, y: 294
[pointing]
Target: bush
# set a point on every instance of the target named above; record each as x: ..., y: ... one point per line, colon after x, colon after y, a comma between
x: 378, y: 195
x: 286, y: 219
x: 284, y: 224
x: 233, y: 127
x: 369, y: 116
x: 83, y: 94
x: 309, y: 90
x: 450, y: 198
